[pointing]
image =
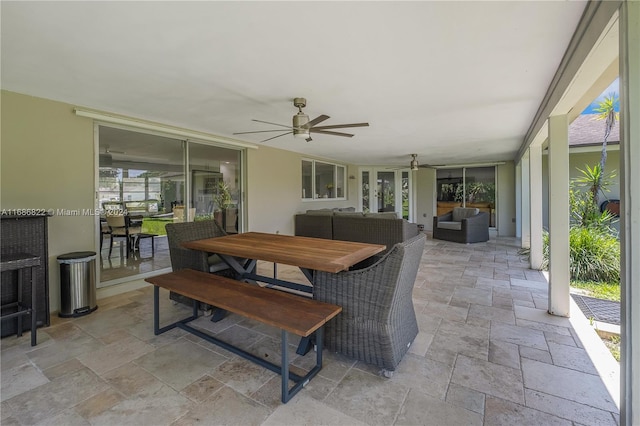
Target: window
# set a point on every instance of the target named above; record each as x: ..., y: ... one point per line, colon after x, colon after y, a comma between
x: 322, y: 180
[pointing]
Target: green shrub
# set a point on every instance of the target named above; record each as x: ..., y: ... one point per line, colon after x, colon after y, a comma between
x: 594, y: 254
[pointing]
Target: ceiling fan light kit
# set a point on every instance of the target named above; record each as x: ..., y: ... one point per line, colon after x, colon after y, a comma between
x: 414, y: 162
x: 303, y: 127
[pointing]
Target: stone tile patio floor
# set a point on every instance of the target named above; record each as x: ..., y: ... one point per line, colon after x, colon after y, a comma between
x: 487, y: 354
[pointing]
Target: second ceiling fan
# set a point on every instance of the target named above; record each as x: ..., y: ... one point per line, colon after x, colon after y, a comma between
x: 302, y: 127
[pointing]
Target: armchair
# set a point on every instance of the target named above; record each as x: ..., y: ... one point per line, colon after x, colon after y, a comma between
x: 462, y: 225
x: 378, y: 323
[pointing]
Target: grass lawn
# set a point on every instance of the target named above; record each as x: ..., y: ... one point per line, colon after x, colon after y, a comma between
x: 155, y: 225
x: 607, y: 291
x: 613, y: 343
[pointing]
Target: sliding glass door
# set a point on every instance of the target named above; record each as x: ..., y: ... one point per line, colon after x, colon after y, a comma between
x: 467, y: 187
x: 154, y: 180
x: 215, y: 185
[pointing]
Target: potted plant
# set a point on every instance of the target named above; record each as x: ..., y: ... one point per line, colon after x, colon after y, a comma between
x: 222, y: 201
x: 329, y: 188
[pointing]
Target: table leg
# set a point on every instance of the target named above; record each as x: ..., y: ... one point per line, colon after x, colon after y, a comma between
x: 218, y: 314
x: 305, y: 345
x: 34, y: 301
x: 20, y: 277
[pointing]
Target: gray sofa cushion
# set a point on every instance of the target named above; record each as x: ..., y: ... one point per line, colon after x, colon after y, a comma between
x: 460, y: 213
x: 382, y: 215
x: 357, y: 214
x: 314, y: 225
x: 320, y: 212
x: 450, y: 225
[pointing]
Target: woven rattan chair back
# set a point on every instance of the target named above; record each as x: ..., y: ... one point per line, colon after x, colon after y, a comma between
x: 378, y: 323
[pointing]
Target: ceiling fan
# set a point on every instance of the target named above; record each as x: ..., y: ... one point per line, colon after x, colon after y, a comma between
x: 413, y: 164
x: 108, y: 150
x: 303, y: 127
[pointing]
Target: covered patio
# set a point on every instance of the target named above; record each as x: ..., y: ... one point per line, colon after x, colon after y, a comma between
x: 499, y: 343
x: 487, y: 353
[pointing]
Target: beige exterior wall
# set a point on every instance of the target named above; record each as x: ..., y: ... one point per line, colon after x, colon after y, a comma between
x: 274, y: 181
x: 577, y: 160
x: 48, y: 163
x: 425, y: 183
x: 506, y: 200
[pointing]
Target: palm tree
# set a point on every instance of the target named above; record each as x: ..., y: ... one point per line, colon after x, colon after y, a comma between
x: 606, y: 111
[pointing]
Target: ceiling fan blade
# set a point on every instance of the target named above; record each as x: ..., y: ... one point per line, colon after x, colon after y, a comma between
x: 274, y: 124
x: 257, y: 131
x: 317, y: 120
x: 339, y: 126
x: 287, y: 133
x: 326, y: 132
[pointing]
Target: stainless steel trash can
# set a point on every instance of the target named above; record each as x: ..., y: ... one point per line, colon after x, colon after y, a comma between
x: 77, y: 283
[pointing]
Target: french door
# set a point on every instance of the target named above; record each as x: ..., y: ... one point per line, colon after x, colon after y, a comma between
x: 384, y: 190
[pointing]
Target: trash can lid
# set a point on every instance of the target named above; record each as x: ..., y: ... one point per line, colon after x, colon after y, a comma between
x: 77, y: 256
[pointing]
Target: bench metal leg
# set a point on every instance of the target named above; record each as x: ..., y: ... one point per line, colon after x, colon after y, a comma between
x: 282, y: 369
x: 156, y: 314
x: 287, y: 393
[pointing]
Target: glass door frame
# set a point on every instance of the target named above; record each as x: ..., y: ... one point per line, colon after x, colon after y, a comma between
x: 373, y: 191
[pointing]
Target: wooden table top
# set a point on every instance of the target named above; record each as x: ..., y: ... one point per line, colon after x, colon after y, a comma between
x: 305, y: 252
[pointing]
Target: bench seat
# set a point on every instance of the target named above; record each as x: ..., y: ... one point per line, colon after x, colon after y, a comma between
x: 290, y: 313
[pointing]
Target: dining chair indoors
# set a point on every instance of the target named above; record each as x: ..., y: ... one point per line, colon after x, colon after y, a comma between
x: 119, y: 226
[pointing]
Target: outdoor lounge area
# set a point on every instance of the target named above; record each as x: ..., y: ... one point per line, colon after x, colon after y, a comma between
x: 487, y: 353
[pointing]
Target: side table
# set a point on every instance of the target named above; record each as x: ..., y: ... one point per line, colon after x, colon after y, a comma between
x: 19, y: 262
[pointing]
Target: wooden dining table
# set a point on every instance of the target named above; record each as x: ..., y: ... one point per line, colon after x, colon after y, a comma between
x: 242, y: 252
x: 306, y: 253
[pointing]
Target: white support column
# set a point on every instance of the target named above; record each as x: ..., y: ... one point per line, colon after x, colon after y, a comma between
x: 630, y: 211
x: 559, y: 215
x: 526, y: 203
x: 519, y: 200
x: 535, y: 202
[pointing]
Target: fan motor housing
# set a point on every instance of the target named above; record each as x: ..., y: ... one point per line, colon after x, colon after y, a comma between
x: 300, y: 120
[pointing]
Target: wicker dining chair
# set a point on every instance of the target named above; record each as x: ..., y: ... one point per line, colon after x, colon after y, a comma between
x: 378, y: 323
x: 183, y: 258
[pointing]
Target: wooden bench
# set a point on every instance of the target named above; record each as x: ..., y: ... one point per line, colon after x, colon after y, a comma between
x: 288, y: 312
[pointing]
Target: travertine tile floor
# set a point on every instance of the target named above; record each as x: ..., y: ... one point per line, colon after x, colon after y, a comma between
x: 140, y: 261
x: 487, y: 354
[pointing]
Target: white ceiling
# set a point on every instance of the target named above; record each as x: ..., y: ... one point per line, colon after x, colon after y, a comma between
x: 451, y: 81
